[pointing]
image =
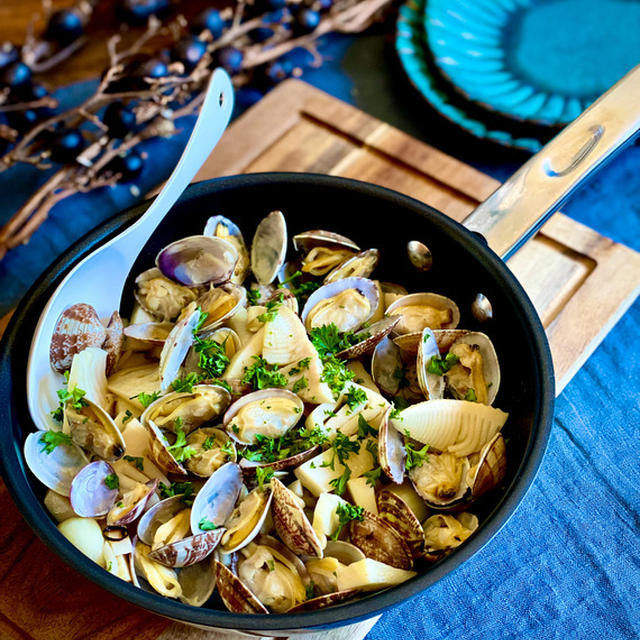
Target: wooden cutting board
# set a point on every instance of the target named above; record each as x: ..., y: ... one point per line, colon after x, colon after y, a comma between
x: 579, y: 281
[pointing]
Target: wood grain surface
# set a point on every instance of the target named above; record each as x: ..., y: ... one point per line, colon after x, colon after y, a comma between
x: 579, y: 281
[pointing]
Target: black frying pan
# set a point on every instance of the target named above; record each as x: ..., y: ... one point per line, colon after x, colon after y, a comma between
x: 463, y: 266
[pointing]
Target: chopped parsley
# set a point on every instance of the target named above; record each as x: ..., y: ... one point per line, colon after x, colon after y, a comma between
x: 51, y: 439
x: 178, y: 488
x: 301, y: 366
x: 272, y: 309
x: 264, y: 475
x: 471, y: 395
x: 75, y: 398
x: 439, y: 366
x: 335, y: 374
x: 328, y: 340
x: 185, y: 385
x: 179, y: 449
x: 415, y: 457
x: 364, y: 428
x: 206, y: 525
x: 127, y: 416
x: 355, y: 397
x: 291, y: 443
x: 372, y: 476
x: 301, y: 290
x: 310, y: 590
x: 261, y: 375
x: 271, y: 564
x: 146, y: 399
x: 372, y: 448
x: 341, y: 447
x: 227, y: 449
x: 137, y: 461
x: 300, y: 384
x: 209, y: 443
x: 253, y: 295
x: 346, y: 513
x: 213, y: 358
x: 112, y: 481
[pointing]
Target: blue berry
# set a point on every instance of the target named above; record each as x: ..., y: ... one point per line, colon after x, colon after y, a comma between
x: 22, y: 120
x: 66, y: 144
x: 275, y: 4
x: 152, y: 68
x: 8, y: 54
x: 64, y: 26
x: 189, y: 51
x: 324, y: 5
x: 15, y: 75
x: 278, y: 16
x: 307, y: 20
x: 211, y: 20
x: 139, y: 11
x: 130, y: 165
x: 120, y: 119
x: 28, y: 92
x: 279, y: 70
x: 231, y: 59
x: 260, y: 34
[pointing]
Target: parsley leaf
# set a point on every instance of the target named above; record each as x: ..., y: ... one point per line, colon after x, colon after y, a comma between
x: 346, y: 513
x: 178, y: 488
x: 206, y: 525
x: 264, y: 474
x: 415, y: 457
x: 301, y: 366
x: 137, y: 461
x: 127, y: 416
x: 51, y: 439
x: 213, y: 358
x: 310, y: 590
x: 75, y: 398
x: 355, y: 397
x: 471, y: 395
x: 372, y: 476
x: 301, y: 290
x: 364, y: 428
x: 179, y: 448
x: 300, y: 384
x: 146, y: 399
x: 253, y: 295
x: 272, y: 309
x: 112, y: 481
x: 262, y: 376
x: 439, y: 366
x: 185, y: 384
x: 335, y: 374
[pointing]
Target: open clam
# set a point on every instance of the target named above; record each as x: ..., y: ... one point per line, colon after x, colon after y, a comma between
x: 444, y: 532
x: 269, y: 413
x: 161, y: 297
x: 93, y: 429
x: 360, y: 265
x: 212, y: 449
x: 307, y: 240
x: 394, y: 510
x: 431, y: 384
x: 220, y: 303
x: 153, y: 333
x: 177, y: 345
x: 132, y: 503
x: 246, y: 520
x: 236, y: 596
x: 368, y: 338
x: 489, y: 471
x: 391, y: 450
x: 347, y: 303
x: 420, y: 310
x: 269, y: 247
x: 188, y: 409
x: 197, y: 582
x: 54, y: 467
x: 441, y: 481
x: 221, y: 227
x: 198, y: 260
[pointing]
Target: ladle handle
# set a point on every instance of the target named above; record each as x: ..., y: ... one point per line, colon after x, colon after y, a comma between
x: 518, y: 208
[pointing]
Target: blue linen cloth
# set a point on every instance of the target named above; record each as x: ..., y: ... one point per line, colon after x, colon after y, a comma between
x: 567, y: 564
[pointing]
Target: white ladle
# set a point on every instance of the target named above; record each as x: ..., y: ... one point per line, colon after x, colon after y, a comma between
x: 99, y: 278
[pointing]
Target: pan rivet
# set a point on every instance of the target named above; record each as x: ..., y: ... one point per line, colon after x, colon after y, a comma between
x: 419, y: 255
x: 481, y: 308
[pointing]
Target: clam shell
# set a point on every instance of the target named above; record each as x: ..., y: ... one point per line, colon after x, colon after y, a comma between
x: 385, y: 362
x: 217, y: 498
x: 361, y: 265
x: 366, y: 287
x: 249, y: 466
x: 326, y: 600
x: 198, y: 260
x: 307, y: 240
x: 432, y: 385
x: 221, y: 227
x: 189, y: 551
x: 115, y: 517
x: 276, y: 545
x: 114, y: 342
x: 207, y: 461
x: 160, y: 451
x: 408, y: 343
x: 165, y: 299
x: 234, y: 593
x: 248, y: 525
x: 77, y: 328
x: 344, y: 552
x: 159, y: 514
x: 269, y: 247
x: 380, y: 541
x: 262, y: 397
x: 93, y: 429
x: 441, y: 502
x: 56, y: 470
x: 371, y: 336
x: 201, y: 405
x: 198, y: 582
x: 292, y: 524
x: 209, y: 300
x: 491, y: 467
x: 154, y: 333
x: 393, y: 288
x: 394, y: 510
x: 176, y: 347
x: 391, y: 450
x: 417, y: 323
x: 89, y: 495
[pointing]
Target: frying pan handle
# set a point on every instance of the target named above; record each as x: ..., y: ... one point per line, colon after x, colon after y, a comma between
x: 518, y: 208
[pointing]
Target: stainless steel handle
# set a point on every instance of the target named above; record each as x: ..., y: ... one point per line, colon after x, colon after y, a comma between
x: 517, y: 209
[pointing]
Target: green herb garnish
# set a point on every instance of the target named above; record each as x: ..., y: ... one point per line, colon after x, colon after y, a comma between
x: 355, y: 397
x: 365, y: 429
x: 372, y: 476
x: 310, y: 591
x: 206, y: 525
x: 253, y: 295
x: 471, y: 395
x: 185, y: 385
x: 300, y: 384
x: 75, y: 398
x: 439, y: 366
x: 415, y: 457
x: 264, y: 475
x: 179, y: 449
x: 127, y: 416
x: 112, y: 481
x: 137, y: 461
x: 301, y: 366
x: 51, y: 439
x: 272, y: 309
x: 178, y: 488
x: 346, y: 513
x: 261, y: 375
x: 146, y: 399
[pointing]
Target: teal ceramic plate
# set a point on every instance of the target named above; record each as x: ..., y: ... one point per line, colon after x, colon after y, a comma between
x: 542, y: 61
x: 416, y: 59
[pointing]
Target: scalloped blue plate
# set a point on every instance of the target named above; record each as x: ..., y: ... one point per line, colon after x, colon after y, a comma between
x: 416, y: 59
x: 542, y: 61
